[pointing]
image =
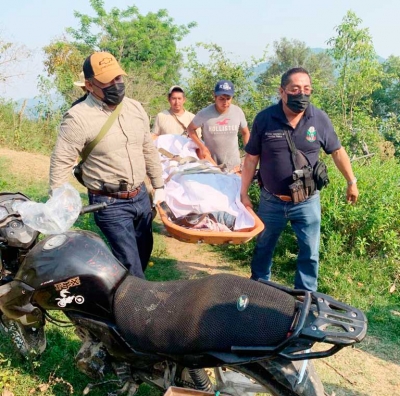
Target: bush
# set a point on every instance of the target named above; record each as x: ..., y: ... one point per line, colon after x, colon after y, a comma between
x: 19, y: 132
x: 371, y: 228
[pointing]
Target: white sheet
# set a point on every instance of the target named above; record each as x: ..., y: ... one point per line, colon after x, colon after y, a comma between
x: 199, y: 192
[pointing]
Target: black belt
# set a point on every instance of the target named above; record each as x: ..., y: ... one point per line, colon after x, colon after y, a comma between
x: 118, y: 194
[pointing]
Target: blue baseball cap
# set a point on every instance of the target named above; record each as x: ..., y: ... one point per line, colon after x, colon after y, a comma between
x: 224, y: 87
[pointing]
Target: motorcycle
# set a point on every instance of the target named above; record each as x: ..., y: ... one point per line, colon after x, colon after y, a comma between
x: 221, y: 333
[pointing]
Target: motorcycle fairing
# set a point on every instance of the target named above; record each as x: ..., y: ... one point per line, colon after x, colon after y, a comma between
x: 15, y: 303
x: 13, y: 231
x: 80, y: 274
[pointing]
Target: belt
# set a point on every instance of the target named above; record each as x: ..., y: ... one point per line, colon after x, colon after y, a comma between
x: 118, y: 194
x: 285, y: 198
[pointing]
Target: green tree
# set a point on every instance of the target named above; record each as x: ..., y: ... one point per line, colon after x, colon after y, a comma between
x: 63, y: 61
x: 145, y: 45
x: 386, y: 99
x: 134, y: 39
x: 357, y: 66
x: 295, y: 53
x: 359, y: 74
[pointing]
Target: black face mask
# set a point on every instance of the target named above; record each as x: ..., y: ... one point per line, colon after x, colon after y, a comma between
x: 298, y: 103
x: 114, y: 94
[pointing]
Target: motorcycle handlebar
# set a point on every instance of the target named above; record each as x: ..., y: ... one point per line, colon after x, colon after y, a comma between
x: 93, y: 208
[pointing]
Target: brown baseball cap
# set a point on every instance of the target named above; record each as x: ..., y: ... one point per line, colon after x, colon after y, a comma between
x: 102, y: 66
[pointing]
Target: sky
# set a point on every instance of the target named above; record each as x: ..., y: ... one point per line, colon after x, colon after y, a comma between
x: 244, y: 28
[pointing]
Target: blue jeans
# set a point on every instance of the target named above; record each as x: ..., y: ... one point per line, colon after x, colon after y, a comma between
x: 127, y: 225
x: 305, y: 218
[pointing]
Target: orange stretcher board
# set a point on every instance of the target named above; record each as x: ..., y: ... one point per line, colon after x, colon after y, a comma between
x: 211, y: 237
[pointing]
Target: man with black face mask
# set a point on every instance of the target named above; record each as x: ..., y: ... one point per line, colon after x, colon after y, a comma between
x: 310, y: 130
x: 115, y: 170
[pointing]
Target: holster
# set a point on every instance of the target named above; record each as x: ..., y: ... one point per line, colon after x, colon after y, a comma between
x: 77, y: 172
x: 113, y: 188
x: 320, y: 175
x: 298, y: 192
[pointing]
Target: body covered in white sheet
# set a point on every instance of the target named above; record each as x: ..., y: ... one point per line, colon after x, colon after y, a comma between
x: 198, y: 186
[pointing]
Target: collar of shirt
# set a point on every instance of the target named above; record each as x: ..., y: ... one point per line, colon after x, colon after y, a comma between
x: 170, y: 112
x: 99, y: 103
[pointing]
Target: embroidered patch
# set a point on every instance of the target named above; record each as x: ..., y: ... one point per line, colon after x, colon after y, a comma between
x: 311, y: 134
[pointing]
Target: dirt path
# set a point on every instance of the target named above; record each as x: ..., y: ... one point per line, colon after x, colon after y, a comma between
x: 351, y: 372
x: 28, y: 166
x: 194, y: 260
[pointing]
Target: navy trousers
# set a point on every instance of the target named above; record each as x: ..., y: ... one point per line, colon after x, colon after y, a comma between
x: 127, y: 225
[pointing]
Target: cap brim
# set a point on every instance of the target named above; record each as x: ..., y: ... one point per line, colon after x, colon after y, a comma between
x: 219, y: 93
x: 177, y: 88
x: 109, y: 75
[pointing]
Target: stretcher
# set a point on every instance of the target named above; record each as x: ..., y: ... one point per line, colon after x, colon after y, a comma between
x: 186, y: 233
x: 210, y: 237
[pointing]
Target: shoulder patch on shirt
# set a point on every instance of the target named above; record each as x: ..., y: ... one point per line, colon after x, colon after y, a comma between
x: 311, y: 134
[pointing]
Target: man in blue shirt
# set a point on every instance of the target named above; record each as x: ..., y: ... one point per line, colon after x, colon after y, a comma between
x: 310, y: 130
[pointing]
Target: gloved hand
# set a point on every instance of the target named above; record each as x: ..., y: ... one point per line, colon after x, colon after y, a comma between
x: 159, y: 195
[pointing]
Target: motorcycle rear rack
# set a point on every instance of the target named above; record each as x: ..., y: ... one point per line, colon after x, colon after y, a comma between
x: 319, y: 319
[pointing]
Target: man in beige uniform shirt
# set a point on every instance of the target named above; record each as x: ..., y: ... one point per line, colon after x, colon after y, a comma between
x: 115, y: 170
x: 175, y: 120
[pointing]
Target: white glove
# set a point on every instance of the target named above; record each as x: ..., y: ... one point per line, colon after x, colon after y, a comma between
x: 159, y: 195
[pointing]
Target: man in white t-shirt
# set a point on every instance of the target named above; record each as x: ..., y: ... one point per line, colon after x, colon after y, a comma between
x: 220, y: 124
x: 175, y: 120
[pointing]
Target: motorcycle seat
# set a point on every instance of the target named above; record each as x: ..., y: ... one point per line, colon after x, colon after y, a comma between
x: 213, y: 313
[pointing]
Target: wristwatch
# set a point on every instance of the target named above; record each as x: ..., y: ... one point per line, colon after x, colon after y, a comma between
x: 351, y: 182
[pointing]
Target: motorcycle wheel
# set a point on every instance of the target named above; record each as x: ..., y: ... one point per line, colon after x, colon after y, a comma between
x: 28, y: 341
x: 260, y: 379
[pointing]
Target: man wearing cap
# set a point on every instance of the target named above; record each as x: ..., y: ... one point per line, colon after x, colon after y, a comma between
x: 116, y: 167
x: 220, y: 124
x: 81, y: 84
x: 175, y: 120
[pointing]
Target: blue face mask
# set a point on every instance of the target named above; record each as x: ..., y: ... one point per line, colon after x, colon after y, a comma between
x: 114, y: 94
x: 298, y: 103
